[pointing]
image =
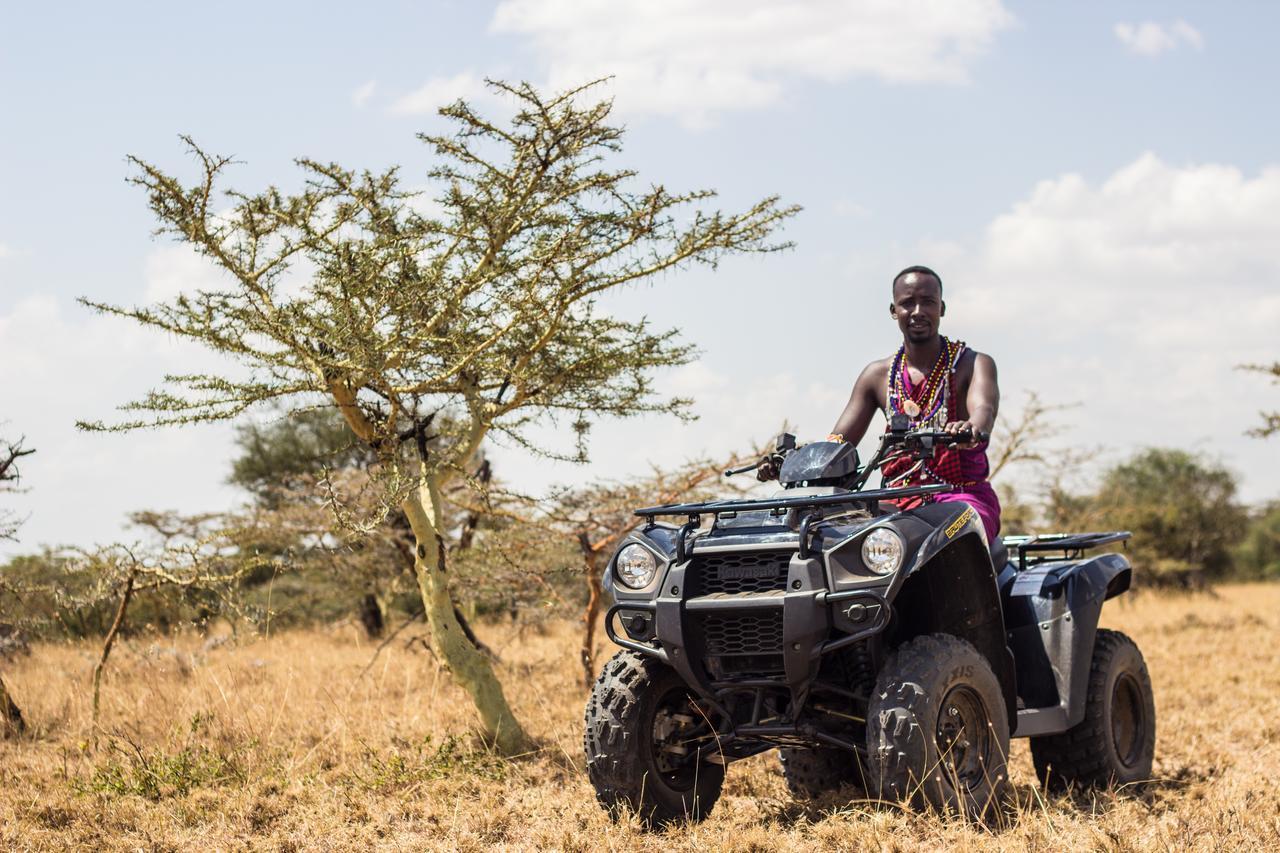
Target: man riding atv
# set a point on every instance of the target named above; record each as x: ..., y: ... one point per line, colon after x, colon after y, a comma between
x: 882, y: 639
x: 937, y: 384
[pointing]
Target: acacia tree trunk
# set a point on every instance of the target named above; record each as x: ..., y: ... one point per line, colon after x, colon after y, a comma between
x: 592, y: 614
x: 10, y: 716
x: 464, y: 660
x: 107, y: 643
x: 371, y: 616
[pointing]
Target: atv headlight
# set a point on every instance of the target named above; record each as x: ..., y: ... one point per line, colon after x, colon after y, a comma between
x: 882, y: 551
x: 635, y: 566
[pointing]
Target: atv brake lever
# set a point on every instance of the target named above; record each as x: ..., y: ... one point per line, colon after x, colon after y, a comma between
x: 744, y: 469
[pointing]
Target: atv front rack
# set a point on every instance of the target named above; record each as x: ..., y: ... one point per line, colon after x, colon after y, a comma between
x: 1070, y: 545
x: 785, y: 503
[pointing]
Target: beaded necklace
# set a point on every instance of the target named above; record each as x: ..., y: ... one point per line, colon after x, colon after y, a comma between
x: 930, y: 397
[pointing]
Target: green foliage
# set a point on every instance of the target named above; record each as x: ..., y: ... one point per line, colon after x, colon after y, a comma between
x: 483, y: 308
x: 1258, y: 555
x: 498, y: 565
x: 55, y: 594
x: 159, y: 773
x: 289, y: 452
x: 1182, y: 511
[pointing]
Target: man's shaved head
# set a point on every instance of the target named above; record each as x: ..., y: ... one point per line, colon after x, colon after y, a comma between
x: 921, y: 270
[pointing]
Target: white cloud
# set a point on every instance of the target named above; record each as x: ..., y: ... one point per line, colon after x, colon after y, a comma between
x: 1150, y: 229
x: 1150, y: 38
x: 361, y: 96
x: 5, y: 251
x: 179, y: 268
x: 59, y: 363
x: 171, y: 270
x: 1137, y: 296
x: 440, y: 91
x: 697, y: 58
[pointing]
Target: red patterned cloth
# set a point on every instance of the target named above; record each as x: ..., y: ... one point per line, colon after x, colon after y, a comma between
x: 965, y: 468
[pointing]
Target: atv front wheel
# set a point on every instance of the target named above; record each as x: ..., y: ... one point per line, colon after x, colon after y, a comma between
x: 811, y: 772
x: 644, y: 730
x: 1116, y: 740
x: 938, y: 729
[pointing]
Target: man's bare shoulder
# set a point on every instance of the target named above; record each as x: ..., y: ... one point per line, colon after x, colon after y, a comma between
x: 874, y: 380
x: 972, y: 357
x: 876, y: 372
x: 879, y: 367
x: 972, y: 360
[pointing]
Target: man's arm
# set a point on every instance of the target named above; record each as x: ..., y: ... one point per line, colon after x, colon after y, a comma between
x: 983, y: 399
x: 864, y: 402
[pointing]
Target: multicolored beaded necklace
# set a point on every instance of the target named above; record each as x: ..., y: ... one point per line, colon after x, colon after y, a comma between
x: 930, y: 399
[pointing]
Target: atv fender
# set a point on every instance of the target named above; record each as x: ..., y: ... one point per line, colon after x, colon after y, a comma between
x: 949, y: 586
x: 1051, y: 615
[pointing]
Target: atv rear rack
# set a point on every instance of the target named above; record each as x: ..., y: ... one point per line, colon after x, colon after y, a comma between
x: 1071, y: 545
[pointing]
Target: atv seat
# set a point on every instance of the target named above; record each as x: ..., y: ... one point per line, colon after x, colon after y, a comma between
x: 999, y: 554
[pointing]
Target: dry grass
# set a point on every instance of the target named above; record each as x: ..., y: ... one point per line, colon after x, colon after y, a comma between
x: 278, y: 744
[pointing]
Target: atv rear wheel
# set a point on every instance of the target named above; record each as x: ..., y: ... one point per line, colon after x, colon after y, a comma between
x: 1116, y: 740
x: 938, y: 728
x: 643, y: 730
x: 812, y: 772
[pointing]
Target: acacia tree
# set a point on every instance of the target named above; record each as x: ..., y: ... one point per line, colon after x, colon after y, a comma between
x: 482, y: 308
x: 10, y: 452
x: 294, y: 465
x: 1270, y: 420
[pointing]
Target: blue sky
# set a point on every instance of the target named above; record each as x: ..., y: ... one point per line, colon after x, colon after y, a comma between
x: 1099, y: 185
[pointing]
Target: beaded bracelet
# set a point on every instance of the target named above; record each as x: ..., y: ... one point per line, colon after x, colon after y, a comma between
x: 837, y: 437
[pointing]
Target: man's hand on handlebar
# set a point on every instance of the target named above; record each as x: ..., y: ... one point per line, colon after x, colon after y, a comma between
x: 769, y: 467
x: 926, y: 441
x: 965, y: 430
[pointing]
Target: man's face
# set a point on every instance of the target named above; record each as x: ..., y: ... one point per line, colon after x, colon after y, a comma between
x: 918, y: 306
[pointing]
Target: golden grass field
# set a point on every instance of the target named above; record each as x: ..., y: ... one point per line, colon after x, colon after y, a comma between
x: 280, y: 744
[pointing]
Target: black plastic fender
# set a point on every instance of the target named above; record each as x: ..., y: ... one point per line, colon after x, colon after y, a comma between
x: 1051, y: 615
x: 948, y: 584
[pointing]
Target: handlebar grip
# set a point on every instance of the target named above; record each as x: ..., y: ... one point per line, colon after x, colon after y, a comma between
x: 967, y: 436
x: 959, y: 437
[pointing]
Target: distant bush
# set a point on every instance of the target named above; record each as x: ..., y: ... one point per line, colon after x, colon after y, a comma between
x: 1182, y: 511
x: 50, y: 595
x: 1258, y: 554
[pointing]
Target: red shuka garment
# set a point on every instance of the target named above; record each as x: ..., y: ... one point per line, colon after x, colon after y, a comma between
x: 964, y: 468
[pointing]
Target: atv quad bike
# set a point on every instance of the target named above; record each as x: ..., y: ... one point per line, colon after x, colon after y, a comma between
x: 893, y: 651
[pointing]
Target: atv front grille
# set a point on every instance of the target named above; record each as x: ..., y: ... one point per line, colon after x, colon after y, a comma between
x: 742, y: 633
x: 741, y: 571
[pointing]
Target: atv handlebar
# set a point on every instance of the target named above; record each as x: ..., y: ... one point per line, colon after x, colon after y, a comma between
x: 920, y: 441
x: 925, y: 437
